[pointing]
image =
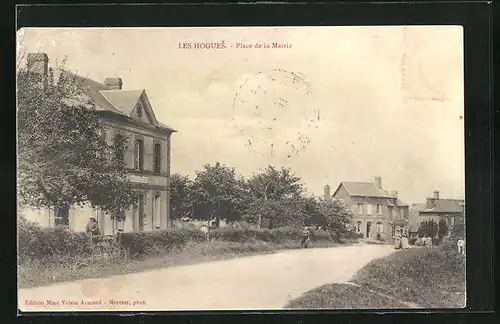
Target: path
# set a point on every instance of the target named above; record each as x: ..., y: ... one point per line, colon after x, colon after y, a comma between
x: 256, y: 282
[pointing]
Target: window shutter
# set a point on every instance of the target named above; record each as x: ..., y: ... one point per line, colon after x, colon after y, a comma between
x: 157, y: 158
x: 148, y: 154
x: 137, y: 153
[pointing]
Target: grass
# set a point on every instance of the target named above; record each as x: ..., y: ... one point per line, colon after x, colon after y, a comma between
x: 47, y: 272
x: 429, y: 277
x: 343, y: 296
x: 416, y: 278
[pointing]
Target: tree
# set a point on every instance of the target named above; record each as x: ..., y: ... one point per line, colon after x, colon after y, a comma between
x: 334, y: 215
x: 270, y: 187
x: 428, y: 228
x: 181, y: 195
x: 218, y: 191
x: 63, y: 155
x: 442, y: 228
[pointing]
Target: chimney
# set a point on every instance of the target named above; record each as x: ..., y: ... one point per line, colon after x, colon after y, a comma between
x: 436, y: 194
x: 327, y: 192
x: 38, y: 65
x: 378, y: 182
x: 113, y: 83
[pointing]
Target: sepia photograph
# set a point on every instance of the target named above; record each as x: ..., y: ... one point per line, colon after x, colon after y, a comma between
x: 240, y: 168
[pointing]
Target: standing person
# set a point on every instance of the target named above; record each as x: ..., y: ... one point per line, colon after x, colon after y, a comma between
x: 92, y: 229
x: 397, y: 240
x: 404, y: 242
x: 461, y: 246
x: 306, y: 236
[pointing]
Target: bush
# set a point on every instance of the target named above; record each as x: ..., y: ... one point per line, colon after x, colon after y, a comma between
x: 275, y: 235
x: 37, y: 243
x: 150, y: 243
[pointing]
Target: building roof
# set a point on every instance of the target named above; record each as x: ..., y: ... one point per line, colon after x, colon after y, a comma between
x: 444, y: 206
x: 368, y: 189
x: 118, y: 102
x: 123, y: 100
x: 365, y: 189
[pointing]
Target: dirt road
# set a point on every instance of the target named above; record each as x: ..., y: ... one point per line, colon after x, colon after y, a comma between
x: 257, y: 282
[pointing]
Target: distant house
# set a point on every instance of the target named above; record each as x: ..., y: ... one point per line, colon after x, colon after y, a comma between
x: 375, y: 211
x: 452, y: 211
x: 127, y: 114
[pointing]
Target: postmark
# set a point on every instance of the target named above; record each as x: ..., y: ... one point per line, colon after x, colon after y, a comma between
x: 263, y: 105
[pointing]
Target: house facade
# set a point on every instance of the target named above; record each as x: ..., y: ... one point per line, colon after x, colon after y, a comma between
x: 375, y: 212
x: 127, y: 114
x: 452, y: 211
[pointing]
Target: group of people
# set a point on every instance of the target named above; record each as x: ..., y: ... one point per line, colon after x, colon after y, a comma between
x: 401, y: 242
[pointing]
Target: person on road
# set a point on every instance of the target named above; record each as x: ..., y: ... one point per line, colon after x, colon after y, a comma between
x: 306, y: 236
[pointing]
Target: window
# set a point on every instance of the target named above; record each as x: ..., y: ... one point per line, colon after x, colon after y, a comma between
x: 401, y: 213
x: 380, y: 228
x: 139, y: 110
x: 139, y: 155
x: 140, y: 212
x: 360, y: 208
x: 157, y: 159
x: 379, y: 209
x: 358, y: 227
x: 369, y: 209
x: 156, y: 210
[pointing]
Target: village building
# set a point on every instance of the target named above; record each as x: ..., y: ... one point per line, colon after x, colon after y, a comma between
x: 452, y: 211
x: 376, y: 213
x: 129, y: 114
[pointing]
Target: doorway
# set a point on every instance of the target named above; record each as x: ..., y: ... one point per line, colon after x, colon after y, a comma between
x: 368, y: 229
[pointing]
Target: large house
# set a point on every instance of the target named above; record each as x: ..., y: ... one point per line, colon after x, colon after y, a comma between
x: 376, y: 212
x: 125, y: 113
x: 452, y: 211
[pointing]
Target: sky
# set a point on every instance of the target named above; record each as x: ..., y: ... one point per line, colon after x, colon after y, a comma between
x: 333, y: 104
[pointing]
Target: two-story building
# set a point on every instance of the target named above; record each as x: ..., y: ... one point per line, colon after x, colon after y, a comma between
x: 452, y: 211
x: 376, y: 212
x: 128, y: 114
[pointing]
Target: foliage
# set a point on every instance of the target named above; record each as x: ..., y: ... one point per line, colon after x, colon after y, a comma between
x: 217, y: 191
x: 275, y: 184
x: 37, y: 243
x: 275, y: 194
x: 335, y: 216
x: 458, y: 231
x: 428, y: 228
x: 442, y: 229
x: 181, y: 196
x: 141, y: 244
x: 63, y: 155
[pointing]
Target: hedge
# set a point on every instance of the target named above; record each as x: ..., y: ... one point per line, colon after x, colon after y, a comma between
x: 145, y: 243
x: 37, y: 243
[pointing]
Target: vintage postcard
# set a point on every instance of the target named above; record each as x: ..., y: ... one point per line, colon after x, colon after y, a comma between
x: 255, y: 168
